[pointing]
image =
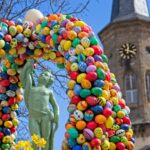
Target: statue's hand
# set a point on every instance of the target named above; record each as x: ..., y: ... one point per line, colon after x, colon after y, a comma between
x: 29, y: 64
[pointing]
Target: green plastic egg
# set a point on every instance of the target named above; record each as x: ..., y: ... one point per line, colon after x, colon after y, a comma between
x: 75, y: 42
x: 93, y: 41
x: 115, y: 139
x: 100, y: 73
x: 105, y: 58
x: 96, y: 91
x: 5, y: 146
x: 73, y: 133
x: 84, y: 93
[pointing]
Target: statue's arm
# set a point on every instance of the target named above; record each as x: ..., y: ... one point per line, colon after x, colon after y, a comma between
x: 27, y: 79
x: 55, y: 109
x: 54, y: 104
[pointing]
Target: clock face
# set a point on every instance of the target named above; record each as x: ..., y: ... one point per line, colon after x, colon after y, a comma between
x: 127, y: 51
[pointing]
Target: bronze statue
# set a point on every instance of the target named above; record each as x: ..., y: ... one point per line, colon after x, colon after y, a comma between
x: 42, y: 120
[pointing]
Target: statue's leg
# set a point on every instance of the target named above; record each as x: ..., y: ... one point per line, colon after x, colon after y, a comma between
x: 34, y: 129
x: 46, y: 131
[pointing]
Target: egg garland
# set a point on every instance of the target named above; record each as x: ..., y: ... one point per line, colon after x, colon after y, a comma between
x: 98, y: 115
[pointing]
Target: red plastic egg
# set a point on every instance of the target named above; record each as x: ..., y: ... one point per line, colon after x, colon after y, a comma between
x: 95, y: 142
x: 13, y: 129
x: 120, y: 146
x: 97, y: 50
x: 4, y: 82
x: 5, y: 117
x: 7, y: 37
x: 91, y: 100
x: 126, y: 120
x: 91, y: 125
x: 75, y: 99
x: 73, y: 75
x: 107, y: 112
x: 91, y: 76
x: 11, y: 101
x: 1, y: 135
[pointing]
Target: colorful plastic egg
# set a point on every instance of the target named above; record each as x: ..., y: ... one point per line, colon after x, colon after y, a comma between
x: 82, y: 105
x: 100, y: 119
x: 107, y: 112
x: 77, y: 88
x: 91, y: 125
x: 88, y: 115
x: 100, y: 73
x: 73, y: 133
x: 96, y: 91
x: 71, y: 108
x: 81, y: 139
x: 78, y: 114
x: 74, y: 67
x: 8, y: 124
x: 71, y: 84
x: 91, y: 76
x: 71, y: 142
x: 85, y: 93
x: 77, y: 147
x: 120, y: 146
x: 79, y: 49
x: 80, y: 125
x: 98, y: 132
x: 97, y: 109
x: 91, y: 68
x: 91, y: 100
x: 85, y: 42
x: 2, y: 43
x: 115, y: 139
x: 95, y: 142
x: 105, y: 145
x: 109, y: 122
x: 88, y: 51
x: 75, y: 100
x: 89, y: 135
x: 86, y: 146
x: 82, y: 66
x: 86, y: 84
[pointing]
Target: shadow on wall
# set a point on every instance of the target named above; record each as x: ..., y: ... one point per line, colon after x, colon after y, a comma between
x: 145, y: 148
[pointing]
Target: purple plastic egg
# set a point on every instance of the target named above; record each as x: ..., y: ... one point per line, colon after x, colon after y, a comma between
x: 91, y: 68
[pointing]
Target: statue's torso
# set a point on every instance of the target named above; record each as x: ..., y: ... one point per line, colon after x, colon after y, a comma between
x: 38, y: 101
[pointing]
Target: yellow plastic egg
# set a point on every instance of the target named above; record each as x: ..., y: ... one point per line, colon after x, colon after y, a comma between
x: 79, y: 49
x: 14, y: 107
x: 81, y: 139
x: 98, y: 132
x: 105, y: 94
x: 88, y: 51
x: 19, y: 28
x: 38, y: 28
x: 21, y: 50
x: 45, y: 56
x: 15, y: 122
x: 80, y: 77
x: 85, y: 42
x: 74, y: 67
x: 38, y: 52
x: 109, y: 122
x: 8, y: 124
x: 70, y: 93
x: 62, y: 43
x: 79, y: 24
x: 71, y: 84
x: 101, y: 100
x: 114, y: 100
x: 112, y: 146
x: 1, y: 122
x: 7, y: 139
x: 82, y: 105
x: 12, y: 51
x: 105, y: 145
x: 72, y: 34
x: 59, y: 60
x: 86, y: 84
x: 121, y: 114
x: 2, y: 53
x: 52, y: 55
x: 46, y: 30
x: 67, y: 45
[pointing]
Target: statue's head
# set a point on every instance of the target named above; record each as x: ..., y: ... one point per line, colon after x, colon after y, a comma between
x: 46, y: 78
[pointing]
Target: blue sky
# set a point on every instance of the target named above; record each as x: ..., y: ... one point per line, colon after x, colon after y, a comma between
x: 97, y: 19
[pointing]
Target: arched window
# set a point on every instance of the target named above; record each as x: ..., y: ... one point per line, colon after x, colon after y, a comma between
x: 131, y: 88
x: 148, y: 85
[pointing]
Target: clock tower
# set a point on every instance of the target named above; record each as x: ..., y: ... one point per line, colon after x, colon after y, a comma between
x: 126, y: 41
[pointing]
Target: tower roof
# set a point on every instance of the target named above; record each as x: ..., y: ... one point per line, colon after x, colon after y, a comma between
x: 129, y: 9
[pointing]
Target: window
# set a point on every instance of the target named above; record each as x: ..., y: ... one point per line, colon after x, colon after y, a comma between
x: 131, y: 88
x: 148, y: 85
x: 147, y: 50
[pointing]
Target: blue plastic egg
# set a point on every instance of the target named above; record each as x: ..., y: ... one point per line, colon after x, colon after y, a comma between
x: 82, y: 66
x: 97, y: 109
x: 71, y: 142
x: 125, y: 127
x: 99, y: 83
x: 77, y: 89
x: 77, y: 147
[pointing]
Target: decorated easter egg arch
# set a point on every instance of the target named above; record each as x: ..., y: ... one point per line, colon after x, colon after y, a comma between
x: 98, y: 115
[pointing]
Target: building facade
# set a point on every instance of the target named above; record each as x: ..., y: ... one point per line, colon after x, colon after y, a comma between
x: 126, y: 41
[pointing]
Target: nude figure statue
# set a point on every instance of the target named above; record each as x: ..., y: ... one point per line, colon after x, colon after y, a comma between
x: 42, y: 120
